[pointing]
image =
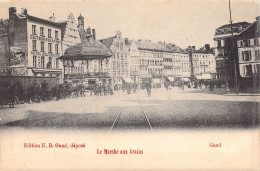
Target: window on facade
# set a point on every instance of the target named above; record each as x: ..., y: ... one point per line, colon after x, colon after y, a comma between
x: 56, y: 48
x: 246, y: 55
x: 247, y: 70
x: 257, y: 54
x: 50, y: 47
x: 49, y: 33
x: 42, y: 61
x: 34, y: 44
x: 57, y: 63
x: 42, y: 46
x: 241, y: 44
x: 33, y: 29
x: 42, y: 31
x: 256, y: 41
x: 118, y: 56
x: 49, y: 64
x: 246, y: 42
x: 219, y: 43
x: 34, y: 61
x: 257, y: 68
x: 121, y: 46
x: 56, y: 35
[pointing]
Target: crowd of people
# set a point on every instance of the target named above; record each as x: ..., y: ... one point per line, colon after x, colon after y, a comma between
x: 13, y: 92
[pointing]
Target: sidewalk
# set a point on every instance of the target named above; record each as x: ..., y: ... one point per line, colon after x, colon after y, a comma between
x: 222, y: 91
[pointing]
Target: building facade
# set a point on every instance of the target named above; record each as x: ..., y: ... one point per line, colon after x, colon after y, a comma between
x: 119, y: 63
x: 180, y: 67
x: 226, y: 50
x: 203, y: 63
x: 151, y: 60
x: 249, y: 51
x: 35, y: 45
x: 4, y: 47
x: 70, y: 37
x: 134, y: 55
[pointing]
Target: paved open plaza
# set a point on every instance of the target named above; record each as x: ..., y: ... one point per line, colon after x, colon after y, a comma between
x: 191, y: 108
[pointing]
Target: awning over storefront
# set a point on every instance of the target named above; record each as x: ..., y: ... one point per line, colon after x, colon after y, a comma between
x: 127, y: 80
x: 186, y: 79
x: 156, y: 80
x: 203, y: 77
x: 171, y: 79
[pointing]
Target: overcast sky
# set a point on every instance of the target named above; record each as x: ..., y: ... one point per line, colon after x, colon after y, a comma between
x: 183, y: 22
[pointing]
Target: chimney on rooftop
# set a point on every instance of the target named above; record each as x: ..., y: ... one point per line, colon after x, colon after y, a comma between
x: 94, y: 34
x: 207, y: 47
x: 52, y: 18
x: 12, y: 11
x: 193, y: 47
x: 89, y: 30
x: 24, y: 11
x: 126, y: 40
x: 257, y: 20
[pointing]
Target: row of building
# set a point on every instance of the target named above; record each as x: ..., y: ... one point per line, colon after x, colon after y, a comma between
x: 237, y: 52
x: 31, y: 46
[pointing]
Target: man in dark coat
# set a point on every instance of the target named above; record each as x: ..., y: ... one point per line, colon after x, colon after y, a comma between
x: 44, y: 89
x: 148, y: 88
x: 11, y: 93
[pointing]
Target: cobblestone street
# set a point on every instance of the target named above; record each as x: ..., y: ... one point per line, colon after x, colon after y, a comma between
x: 164, y: 110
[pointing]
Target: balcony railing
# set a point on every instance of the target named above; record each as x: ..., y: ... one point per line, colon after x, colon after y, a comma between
x: 71, y: 75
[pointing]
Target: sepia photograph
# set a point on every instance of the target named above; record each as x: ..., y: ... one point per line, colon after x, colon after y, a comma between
x: 129, y: 85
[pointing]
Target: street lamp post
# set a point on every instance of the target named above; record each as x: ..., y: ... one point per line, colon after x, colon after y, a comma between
x: 232, y: 46
x: 64, y: 68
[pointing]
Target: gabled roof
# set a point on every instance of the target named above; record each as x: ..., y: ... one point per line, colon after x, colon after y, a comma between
x: 148, y: 45
x: 175, y: 49
x: 87, y: 50
x: 108, y: 41
x: 252, y: 31
x: 237, y: 28
x: 233, y: 25
x: 42, y: 20
x: 84, y: 34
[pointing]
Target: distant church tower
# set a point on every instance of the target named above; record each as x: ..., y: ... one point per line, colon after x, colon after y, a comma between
x: 81, y: 22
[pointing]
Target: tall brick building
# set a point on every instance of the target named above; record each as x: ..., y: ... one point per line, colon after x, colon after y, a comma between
x: 34, y: 45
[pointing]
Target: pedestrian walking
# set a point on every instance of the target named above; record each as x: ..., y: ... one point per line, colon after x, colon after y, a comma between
x: 148, y: 88
x: 129, y: 88
x: 134, y: 88
x: 11, y: 94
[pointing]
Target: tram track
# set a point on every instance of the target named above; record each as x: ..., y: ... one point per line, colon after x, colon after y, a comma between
x: 145, y: 114
x: 120, y: 115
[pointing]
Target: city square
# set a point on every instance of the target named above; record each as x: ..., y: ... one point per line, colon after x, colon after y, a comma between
x: 129, y: 85
x: 175, y: 108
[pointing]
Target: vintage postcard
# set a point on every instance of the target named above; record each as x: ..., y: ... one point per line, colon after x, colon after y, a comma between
x: 129, y: 85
